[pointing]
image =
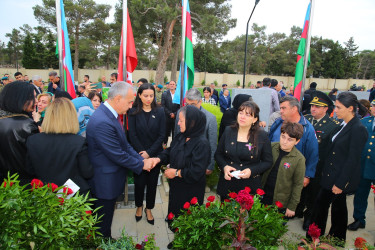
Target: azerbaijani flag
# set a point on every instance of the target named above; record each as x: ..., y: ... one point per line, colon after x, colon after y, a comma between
x: 300, y: 55
x: 188, y: 57
x: 66, y: 56
x: 131, y: 54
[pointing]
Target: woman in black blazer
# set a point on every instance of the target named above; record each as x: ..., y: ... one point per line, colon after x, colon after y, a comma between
x: 341, y: 172
x: 146, y: 134
x: 245, y: 147
x: 58, y: 153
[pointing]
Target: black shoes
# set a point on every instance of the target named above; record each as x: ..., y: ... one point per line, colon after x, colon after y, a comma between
x: 149, y: 221
x: 306, y: 224
x: 170, y: 245
x: 138, y: 218
x: 355, y: 225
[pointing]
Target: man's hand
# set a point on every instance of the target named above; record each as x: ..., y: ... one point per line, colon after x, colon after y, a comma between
x: 208, y: 172
x: 144, y: 154
x: 289, y: 213
x: 155, y: 161
x: 227, y: 174
x: 262, y: 124
x: 336, y: 190
x: 172, y: 115
x: 147, y: 164
x: 306, y: 181
x: 54, y: 85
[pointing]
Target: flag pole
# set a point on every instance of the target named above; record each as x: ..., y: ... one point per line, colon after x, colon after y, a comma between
x: 307, y: 51
x: 59, y: 42
x: 124, y: 36
x: 183, y: 37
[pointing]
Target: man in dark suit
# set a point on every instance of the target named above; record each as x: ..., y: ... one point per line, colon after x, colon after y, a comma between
x: 54, y: 83
x: 170, y: 110
x: 110, y: 153
x: 38, y: 84
x: 325, y: 128
x: 214, y: 92
x: 225, y: 101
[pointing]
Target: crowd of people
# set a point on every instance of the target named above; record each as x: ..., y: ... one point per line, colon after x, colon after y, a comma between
x: 312, y: 157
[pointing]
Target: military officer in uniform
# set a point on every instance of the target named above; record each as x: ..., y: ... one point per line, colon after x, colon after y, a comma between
x: 325, y: 128
x: 367, y: 173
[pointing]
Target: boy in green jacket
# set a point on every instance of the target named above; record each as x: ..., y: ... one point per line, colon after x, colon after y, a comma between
x: 284, y: 181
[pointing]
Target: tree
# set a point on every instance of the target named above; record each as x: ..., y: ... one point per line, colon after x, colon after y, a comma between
x: 350, y: 58
x: 28, y: 53
x: 333, y: 61
x: 78, y: 13
x: 15, y: 45
x: 50, y: 58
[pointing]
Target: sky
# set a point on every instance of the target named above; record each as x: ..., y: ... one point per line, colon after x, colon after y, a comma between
x: 333, y: 19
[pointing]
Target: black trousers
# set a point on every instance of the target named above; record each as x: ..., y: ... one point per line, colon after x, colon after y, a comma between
x: 308, y: 197
x: 339, y: 213
x: 169, y: 127
x: 149, y: 180
x: 107, y: 209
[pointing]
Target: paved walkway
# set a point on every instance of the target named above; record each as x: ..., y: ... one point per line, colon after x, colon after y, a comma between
x: 124, y: 218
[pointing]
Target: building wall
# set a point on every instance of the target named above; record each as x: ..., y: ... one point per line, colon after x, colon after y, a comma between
x: 230, y: 79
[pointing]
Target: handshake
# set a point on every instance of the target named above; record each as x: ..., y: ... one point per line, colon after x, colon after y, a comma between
x: 150, y: 163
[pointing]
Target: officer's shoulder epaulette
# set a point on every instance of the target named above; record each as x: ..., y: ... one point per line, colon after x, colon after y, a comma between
x: 367, y: 118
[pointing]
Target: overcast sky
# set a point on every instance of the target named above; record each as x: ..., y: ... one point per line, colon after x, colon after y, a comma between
x: 333, y: 19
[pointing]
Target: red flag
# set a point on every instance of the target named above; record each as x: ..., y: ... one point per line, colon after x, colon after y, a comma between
x: 131, y: 54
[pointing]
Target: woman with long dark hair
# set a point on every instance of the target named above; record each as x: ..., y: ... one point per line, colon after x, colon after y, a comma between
x: 17, y: 101
x: 146, y: 134
x: 244, y: 147
x: 207, y: 96
x: 342, y: 172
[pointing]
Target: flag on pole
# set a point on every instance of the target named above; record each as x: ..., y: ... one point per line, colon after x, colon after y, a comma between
x: 66, y: 56
x: 131, y: 54
x: 300, y: 55
x: 188, y: 58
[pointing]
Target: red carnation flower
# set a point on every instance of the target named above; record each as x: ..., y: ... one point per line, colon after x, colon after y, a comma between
x: 279, y: 204
x: 260, y: 192
x: 53, y: 186
x: 186, y: 205
x: 194, y: 201
x: 88, y: 237
x: 208, y: 204
x: 138, y: 246
x: 247, y: 189
x: 67, y: 191
x: 61, y: 199
x: 211, y: 198
x: 245, y: 200
x: 35, y: 183
x: 360, y: 243
x: 170, y: 216
x: 176, y: 230
x: 88, y: 212
x: 314, y: 231
x: 189, y: 212
x: 10, y: 184
x: 226, y: 200
x: 232, y: 195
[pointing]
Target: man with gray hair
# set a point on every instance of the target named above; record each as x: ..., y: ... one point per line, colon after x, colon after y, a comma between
x: 38, y: 84
x: 110, y: 153
x: 54, y: 83
x: 194, y: 97
x: 308, y: 145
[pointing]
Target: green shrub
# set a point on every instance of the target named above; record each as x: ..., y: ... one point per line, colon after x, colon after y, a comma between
x: 203, y: 83
x: 38, y: 217
x: 216, y: 83
x: 165, y: 79
x: 203, y: 227
x: 249, y: 84
x: 238, y: 83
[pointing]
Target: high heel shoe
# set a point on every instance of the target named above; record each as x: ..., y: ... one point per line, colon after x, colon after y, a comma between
x: 138, y: 218
x: 149, y: 221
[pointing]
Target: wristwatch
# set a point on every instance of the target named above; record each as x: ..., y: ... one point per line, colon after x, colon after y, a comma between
x: 176, y: 173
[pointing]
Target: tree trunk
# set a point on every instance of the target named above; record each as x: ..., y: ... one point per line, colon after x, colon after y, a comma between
x: 76, y: 53
x: 166, y: 50
x: 175, y: 58
x: 359, y: 68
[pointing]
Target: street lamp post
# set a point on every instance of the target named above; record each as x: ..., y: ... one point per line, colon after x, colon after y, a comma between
x: 247, y: 31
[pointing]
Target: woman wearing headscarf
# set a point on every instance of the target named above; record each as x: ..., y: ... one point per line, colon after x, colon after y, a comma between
x: 188, y: 156
x: 244, y: 147
x: 230, y: 116
x: 17, y: 101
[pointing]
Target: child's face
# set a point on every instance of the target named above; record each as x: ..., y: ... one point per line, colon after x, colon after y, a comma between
x: 287, y: 143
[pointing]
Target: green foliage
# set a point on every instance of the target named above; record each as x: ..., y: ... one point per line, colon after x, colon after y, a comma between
x: 199, y: 227
x: 165, y: 79
x: 203, y: 83
x: 249, y: 84
x: 238, y: 83
x: 216, y: 83
x: 124, y: 242
x: 152, y: 79
x: 28, y: 53
x: 38, y: 217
